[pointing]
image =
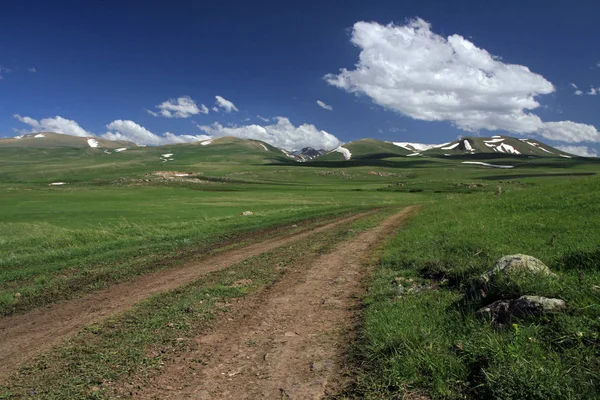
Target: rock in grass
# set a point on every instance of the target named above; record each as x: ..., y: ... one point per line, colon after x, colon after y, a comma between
x: 507, y: 266
x: 504, y: 311
x: 246, y: 213
x: 535, y: 305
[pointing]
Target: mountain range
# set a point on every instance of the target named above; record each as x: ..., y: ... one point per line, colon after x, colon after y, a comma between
x: 356, y: 150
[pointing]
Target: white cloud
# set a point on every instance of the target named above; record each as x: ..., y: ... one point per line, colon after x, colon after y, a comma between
x: 583, y: 151
x: 32, y: 69
x: 263, y: 118
x: 281, y: 134
x: 181, y: 107
x: 225, y: 104
x: 593, y: 91
x: 573, y: 85
x: 569, y: 131
x: 133, y: 132
x: 418, y: 73
x: 57, y: 124
x: 325, y: 106
x: 578, y: 92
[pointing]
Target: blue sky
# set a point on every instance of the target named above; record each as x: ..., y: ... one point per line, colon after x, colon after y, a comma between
x: 443, y: 69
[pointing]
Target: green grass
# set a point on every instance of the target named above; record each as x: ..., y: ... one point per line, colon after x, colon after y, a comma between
x: 127, y: 350
x: 58, y: 243
x: 427, y: 339
x: 116, y: 219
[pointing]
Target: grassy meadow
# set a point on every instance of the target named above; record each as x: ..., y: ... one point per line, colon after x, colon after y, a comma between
x: 421, y: 334
x: 120, y: 215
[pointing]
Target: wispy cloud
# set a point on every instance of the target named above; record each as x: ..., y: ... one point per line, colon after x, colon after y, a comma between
x: 32, y: 69
x: 4, y: 70
x: 225, y: 104
x: 324, y: 106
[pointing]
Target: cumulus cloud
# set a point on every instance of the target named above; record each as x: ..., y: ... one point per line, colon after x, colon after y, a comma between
x: 225, y: 104
x: 582, y: 151
x: 578, y: 92
x: 593, y: 91
x: 418, y: 73
x: 181, y: 107
x: 325, y: 106
x: 131, y: 131
x: 57, y: 124
x: 281, y: 134
x: 569, y: 131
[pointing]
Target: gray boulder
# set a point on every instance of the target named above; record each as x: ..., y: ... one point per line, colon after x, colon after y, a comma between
x: 503, y: 311
x: 516, y: 264
x: 535, y: 305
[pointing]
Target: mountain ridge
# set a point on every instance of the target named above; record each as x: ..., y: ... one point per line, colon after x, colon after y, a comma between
x: 359, y: 149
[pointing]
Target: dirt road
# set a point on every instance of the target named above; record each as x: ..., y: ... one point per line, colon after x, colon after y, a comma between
x: 287, y: 342
x: 24, y: 336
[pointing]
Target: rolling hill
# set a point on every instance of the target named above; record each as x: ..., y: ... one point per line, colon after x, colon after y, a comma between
x: 51, y: 140
x: 495, y: 145
x: 233, y: 149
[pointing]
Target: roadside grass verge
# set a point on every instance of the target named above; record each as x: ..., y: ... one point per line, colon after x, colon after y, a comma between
x: 421, y: 336
x: 116, y: 356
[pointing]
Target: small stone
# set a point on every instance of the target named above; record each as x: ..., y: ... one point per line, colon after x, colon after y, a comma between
x: 331, y: 302
x: 322, y: 365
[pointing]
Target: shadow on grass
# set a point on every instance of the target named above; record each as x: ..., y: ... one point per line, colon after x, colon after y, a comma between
x: 382, y: 160
x: 517, y: 176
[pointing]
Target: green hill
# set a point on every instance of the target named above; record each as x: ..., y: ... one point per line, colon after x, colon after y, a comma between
x: 497, y: 145
x: 50, y: 140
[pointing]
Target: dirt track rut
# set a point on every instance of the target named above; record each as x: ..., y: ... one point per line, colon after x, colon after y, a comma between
x: 287, y: 342
x: 24, y: 336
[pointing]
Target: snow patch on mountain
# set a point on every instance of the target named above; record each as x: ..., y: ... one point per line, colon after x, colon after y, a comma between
x: 507, y: 148
x: 452, y: 146
x: 417, y: 146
